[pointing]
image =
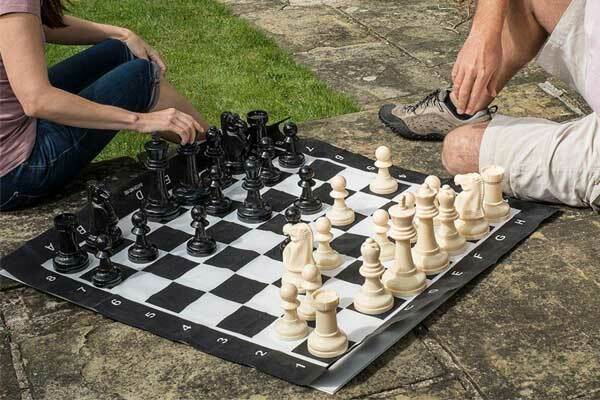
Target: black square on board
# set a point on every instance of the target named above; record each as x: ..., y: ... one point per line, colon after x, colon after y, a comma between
x: 232, y: 258
x: 397, y: 303
x: 276, y: 253
x: 126, y: 271
x: 274, y: 225
x: 238, y: 289
x: 325, y: 170
x: 123, y: 245
x: 401, y: 188
x: 247, y: 321
x: 175, y: 297
x: 170, y: 266
x: 349, y: 244
x: 278, y: 200
x: 357, y: 218
x: 226, y: 232
x: 284, y: 175
x: 302, y: 348
x: 167, y: 238
x: 351, y: 273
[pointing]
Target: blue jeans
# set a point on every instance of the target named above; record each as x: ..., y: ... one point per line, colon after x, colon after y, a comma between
x: 106, y: 73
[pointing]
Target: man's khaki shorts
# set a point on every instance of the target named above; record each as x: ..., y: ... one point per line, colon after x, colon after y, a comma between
x: 545, y: 160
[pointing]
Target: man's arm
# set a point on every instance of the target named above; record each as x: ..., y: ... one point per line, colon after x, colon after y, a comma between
x: 474, y: 72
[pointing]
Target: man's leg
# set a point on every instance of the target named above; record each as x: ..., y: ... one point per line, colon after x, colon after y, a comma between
x: 532, y: 19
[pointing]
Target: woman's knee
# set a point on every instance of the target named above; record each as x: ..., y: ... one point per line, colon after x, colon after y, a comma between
x: 460, y: 152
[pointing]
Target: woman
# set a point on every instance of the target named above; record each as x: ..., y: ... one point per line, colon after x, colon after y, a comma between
x: 55, y: 121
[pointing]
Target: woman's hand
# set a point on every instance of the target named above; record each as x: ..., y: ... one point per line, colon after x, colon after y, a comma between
x: 475, y: 72
x: 169, y: 120
x: 143, y: 50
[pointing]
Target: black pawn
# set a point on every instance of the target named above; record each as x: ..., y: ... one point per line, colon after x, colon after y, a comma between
x: 200, y: 245
x: 217, y: 203
x: 257, y: 120
x: 307, y: 203
x: 254, y: 209
x: 190, y: 190
x: 141, y: 252
x: 269, y: 173
x: 70, y: 257
x: 293, y: 216
x: 106, y: 275
x: 292, y: 157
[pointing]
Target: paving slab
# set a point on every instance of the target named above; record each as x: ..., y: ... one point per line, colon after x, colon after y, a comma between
x: 9, y: 385
x: 438, y: 390
x: 371, y: 72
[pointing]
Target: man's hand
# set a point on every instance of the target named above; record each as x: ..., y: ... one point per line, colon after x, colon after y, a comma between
x: 475, y: 72
x: 143, y: 50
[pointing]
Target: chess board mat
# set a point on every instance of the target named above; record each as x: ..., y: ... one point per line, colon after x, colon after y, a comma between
x: 226, y: 304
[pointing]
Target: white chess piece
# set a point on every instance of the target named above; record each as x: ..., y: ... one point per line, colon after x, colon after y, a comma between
x: 381, y: 227
x: 411, y: 202
x: 403, y: 279
x: 495, y: 208
x: 372, y: 298
x: 471, y: 223
x: 289, y: 326
x: 325, y: 257
x: 339, y: 214
x: 427, y: 255
x: 435, y: 184
x: 383, y: 183
x: 447, y: 236
x: 311, y: 281
x: 326, y: 340
x: 297, y: 253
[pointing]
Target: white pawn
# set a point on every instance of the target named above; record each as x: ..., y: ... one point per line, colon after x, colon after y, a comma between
x: 289, y: 326
x: 383, y: 182
x: 325, y: 257
x: 339, y: 214
x: 327, y: 340
x: 494, y: 207
x: 380, y: 221
x: 471, y: 222
x: 311, y: 281
x: 427, y: 255
x: 447, y: 236
x: 403, y: 279
x: 435, y: 184
x: 372, y: 298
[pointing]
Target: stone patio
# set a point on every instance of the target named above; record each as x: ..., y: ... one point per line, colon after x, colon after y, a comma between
x: 527, y: 329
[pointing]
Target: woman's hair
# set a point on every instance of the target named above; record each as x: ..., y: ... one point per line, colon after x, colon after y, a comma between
x: 52, y: 13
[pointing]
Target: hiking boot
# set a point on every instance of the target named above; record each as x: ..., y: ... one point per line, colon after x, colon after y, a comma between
x: 430, y: 118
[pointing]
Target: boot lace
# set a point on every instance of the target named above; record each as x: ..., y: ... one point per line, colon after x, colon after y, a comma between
x: 431, y: 99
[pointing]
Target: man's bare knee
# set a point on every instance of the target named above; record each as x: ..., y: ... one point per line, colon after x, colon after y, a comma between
x: 460, y: 153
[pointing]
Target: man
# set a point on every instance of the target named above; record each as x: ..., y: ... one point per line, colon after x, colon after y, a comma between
x: 543, y: 160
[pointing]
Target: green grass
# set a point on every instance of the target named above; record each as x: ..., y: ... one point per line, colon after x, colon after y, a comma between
x: 215, y: 59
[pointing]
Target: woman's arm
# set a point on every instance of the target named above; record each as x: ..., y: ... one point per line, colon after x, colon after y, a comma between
x: 23, y: 56
x: 81, y: 31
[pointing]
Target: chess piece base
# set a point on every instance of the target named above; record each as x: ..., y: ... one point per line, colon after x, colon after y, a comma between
x: 327, y: 346
x: 107, y: 279
x: 309, y: 208
x: 201, y: 248
x: 142, y: 255
x: 452, y: 246
x: 474, y: 229
x: 406, y: 284
x: 254, y: 215
x: 218, y: 208
x: 341, y: 217
x: 291, y: 330
x: 291, y: 162
x: 189, y: 196
x: 381, y: 186
x: 328, y: 260
x: 431, y: 262
x: 271, y: 177
x: 374, y: 303
x: 165, y: 213
x: 496, y: 213
x: 72, y: 263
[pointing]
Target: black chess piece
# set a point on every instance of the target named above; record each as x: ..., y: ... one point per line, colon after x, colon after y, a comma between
x: 160, y: 206
x: 307, y: 203
x: 217, y: 203
x: 106, y: 275
x: 201, y: 245
x: 103, y: 218
x: 190, y: 191
x: 293, y: 216
x: 215, y: 153
x: 235, y: 142
x: 254, y: 209
x: 257, y: 121
x: 69, y: 258
x: 141, y: 252
x: 292, y: 157
x: 269, y: 173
